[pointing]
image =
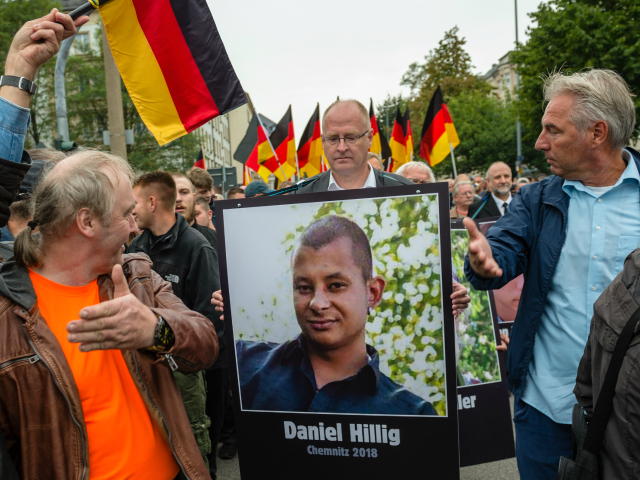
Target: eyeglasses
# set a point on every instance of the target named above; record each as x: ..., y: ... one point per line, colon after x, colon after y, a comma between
x: 419, y: 182
x: 351, y: 139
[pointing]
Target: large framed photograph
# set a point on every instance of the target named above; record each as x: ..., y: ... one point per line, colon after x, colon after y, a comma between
x: 340, y: 331
x: 483, y: 401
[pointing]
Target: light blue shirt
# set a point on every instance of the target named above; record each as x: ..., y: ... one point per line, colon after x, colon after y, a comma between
x: 602, y: 229
x: 14, y: 122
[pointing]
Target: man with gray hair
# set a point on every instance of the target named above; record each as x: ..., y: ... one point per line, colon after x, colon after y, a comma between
x: 89, y: 338
x: 569, y: 235
x: 417, y: 172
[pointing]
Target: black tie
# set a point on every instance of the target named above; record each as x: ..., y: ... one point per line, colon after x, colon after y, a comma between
x: 504, y: 206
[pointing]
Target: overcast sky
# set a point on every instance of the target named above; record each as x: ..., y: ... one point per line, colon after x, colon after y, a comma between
x: 300, y: 53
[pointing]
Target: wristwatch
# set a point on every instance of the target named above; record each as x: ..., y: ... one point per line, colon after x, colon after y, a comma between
x: 163, y: 338
x: 19, y: 82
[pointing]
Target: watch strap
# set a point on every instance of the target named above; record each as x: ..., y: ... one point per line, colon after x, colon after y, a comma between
x: 163, y: 338
x: 19, y: 82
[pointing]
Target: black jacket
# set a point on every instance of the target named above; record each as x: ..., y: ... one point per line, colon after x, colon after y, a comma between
x: 11, y: 176
x: 209, y: 234
x: 490, y: 209
x: 383, y: 179
x: 187, y: 260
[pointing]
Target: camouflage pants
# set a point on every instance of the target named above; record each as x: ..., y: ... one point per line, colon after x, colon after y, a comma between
x: 194, y: 395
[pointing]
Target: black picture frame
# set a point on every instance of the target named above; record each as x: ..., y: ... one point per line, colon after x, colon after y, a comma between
x: 428, y: 446
x: 488, y: 408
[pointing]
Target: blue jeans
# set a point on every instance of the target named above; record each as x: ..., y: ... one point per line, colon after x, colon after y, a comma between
x: 540, y: 442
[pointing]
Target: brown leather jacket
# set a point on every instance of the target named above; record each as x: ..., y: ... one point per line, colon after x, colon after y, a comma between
x: 40, y: 410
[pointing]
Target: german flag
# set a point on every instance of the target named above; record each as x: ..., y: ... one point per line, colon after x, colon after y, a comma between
x: 284, y: 143
x: 379, y: 144
x: 439, y: 135
x: 310, y: 151
x: 199, y: 163
x: 173, y: 63
x: 256, y: 153
x: 397, y: 143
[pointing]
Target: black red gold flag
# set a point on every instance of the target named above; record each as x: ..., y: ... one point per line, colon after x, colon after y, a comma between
x: 310, y: 151
x: 439, y: 136
x: 283, y: 141
x: 200, y: 160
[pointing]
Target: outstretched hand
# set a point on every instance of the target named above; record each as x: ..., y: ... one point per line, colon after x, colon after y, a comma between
x: 123, y: 323
x: 480, y: 254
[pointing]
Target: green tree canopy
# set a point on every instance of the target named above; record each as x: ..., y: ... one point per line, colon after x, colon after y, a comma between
x: 572, y: 35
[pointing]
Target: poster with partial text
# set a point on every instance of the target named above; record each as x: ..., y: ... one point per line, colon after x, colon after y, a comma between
x: 341, y: 333
x: 484, y: 414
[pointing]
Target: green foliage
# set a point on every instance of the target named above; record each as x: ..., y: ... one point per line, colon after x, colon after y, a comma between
x: 406, y: 328
x: 478, y: 357
x: 486, y: 126
x: 16, y: 13
x: 572, y: 35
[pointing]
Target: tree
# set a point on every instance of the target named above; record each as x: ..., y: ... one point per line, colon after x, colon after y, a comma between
x: 572, y: 35
x: 448, y: 65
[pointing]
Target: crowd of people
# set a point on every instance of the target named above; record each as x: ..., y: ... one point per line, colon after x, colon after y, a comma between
x: 113, y: 350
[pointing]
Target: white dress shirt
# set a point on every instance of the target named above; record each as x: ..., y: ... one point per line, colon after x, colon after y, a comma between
x: 370, y: 182
x: 499, y: 202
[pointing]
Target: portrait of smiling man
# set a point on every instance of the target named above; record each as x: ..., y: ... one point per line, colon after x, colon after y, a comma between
x: 328, y: 367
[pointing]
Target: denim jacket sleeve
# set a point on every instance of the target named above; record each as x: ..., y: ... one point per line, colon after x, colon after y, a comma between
x: 14, y: 122
x: 510, y: 240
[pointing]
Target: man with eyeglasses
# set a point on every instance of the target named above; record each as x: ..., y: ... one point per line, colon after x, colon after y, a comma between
x: 346, y: 139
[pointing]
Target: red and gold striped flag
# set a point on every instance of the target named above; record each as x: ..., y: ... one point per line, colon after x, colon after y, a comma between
x: 284, y: 143
x: 439, y: 135
x: 173, y: 63
x: 310, y: 151
x: 256, y: 153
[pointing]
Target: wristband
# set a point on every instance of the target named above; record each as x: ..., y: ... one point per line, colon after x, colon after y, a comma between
x: 19, y: 82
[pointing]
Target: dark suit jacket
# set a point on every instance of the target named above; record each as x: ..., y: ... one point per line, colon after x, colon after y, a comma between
x: 383, y: 179
x: 489, y: 210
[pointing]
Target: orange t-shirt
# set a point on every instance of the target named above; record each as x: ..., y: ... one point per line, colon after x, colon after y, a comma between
x: 124, y: 441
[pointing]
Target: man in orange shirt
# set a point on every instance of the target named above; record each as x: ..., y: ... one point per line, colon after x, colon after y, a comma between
x: 89, y: 339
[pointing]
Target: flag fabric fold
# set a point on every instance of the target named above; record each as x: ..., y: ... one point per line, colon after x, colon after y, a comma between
x: 310, y: 151
x: 283, y: 141
x: 397, y: 143
x: 173, y: 63
x: 379, y: 145
x: 439, y: 134
x: 255, y: 151
x: 200, y: 163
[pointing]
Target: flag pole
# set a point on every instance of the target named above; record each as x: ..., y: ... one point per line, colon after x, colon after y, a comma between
x: 297, y: 166
x: 453, y: 160
x: 284, y: 175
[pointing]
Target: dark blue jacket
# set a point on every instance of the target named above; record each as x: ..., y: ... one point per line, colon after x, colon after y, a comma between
x: 528, y: 239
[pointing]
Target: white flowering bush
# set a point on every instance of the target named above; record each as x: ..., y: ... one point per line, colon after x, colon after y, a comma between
x: 406, y: 328
x: 478, y: 359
